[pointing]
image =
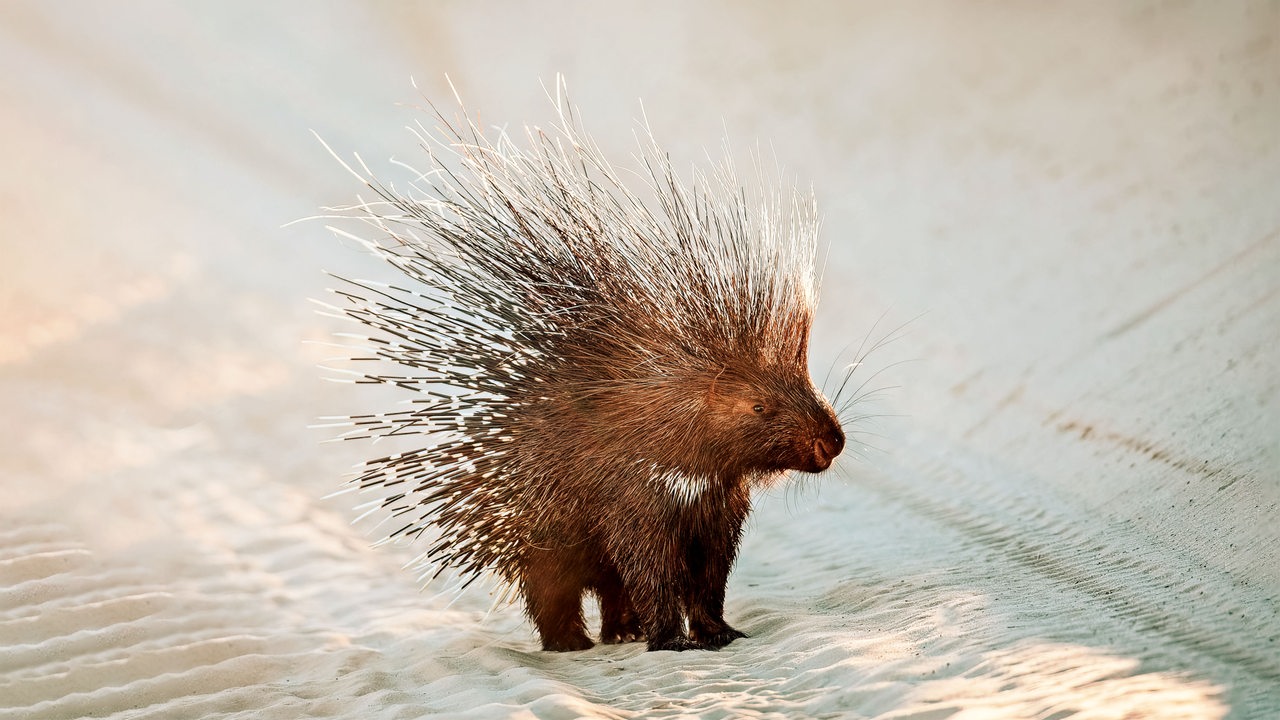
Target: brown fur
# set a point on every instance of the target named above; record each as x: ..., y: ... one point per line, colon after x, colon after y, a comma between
x: 599, y: 524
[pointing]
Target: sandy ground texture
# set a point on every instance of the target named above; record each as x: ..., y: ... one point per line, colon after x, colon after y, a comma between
x: 1071, y: 512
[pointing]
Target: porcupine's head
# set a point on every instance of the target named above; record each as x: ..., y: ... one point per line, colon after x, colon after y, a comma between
x: 555, y: 323
x: 715, y: 383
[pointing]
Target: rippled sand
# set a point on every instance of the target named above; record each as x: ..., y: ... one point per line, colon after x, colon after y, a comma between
x: 1071, y: 507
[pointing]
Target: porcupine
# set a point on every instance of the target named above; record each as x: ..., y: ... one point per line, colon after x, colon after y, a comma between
x: 603, y: 377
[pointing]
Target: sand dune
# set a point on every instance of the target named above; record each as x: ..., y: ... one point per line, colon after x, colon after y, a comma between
x: 1068, y: 507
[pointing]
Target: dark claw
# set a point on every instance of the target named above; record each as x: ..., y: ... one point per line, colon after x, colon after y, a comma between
x: 616, y: 638
x: 568, y: 644
x: 679, y: 643
x: 722, y: 638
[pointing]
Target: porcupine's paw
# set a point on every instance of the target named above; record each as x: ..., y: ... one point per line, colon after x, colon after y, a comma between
x: 568, y: 643
x: 617, y: 637
x: 719, y: 639
x: 679, y: 643
x: 622, y: 632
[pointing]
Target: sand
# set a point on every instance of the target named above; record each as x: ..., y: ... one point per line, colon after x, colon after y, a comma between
x: 1069, y: 507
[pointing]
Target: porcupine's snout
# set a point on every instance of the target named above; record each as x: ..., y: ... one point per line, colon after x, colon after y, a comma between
x: 825, y: 449
x: 827, y: 439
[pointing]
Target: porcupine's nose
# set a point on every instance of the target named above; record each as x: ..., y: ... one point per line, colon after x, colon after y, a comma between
x: 825, y: 449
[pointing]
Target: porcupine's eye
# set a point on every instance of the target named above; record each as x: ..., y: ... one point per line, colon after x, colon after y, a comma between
x: 745, y: 406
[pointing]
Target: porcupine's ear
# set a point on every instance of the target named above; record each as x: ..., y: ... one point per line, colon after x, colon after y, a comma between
x: 720, y: 390
x: 712, y: 393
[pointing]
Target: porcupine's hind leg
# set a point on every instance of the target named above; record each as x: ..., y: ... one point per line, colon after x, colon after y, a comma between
x: 552, y: 582
x: 618, y: 621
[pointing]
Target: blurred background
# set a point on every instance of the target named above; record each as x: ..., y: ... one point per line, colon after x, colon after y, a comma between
x: 1071, y: 212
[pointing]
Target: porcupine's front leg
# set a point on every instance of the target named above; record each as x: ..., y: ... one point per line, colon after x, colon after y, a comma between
x: 706, y: 601
x: 654, y: 575
x: 710, y: 556
x: 663, y: 625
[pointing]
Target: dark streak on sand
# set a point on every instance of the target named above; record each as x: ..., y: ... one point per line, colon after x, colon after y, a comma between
x: 1152, y: 451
